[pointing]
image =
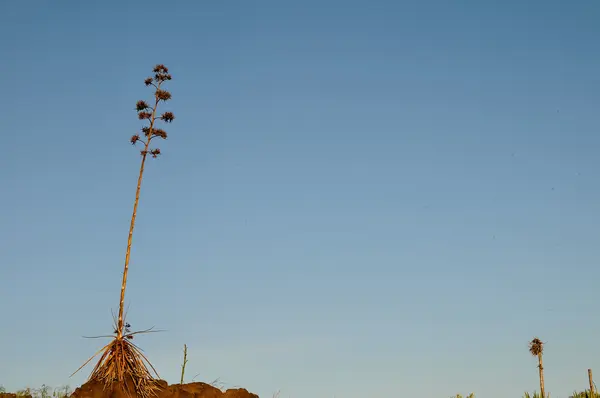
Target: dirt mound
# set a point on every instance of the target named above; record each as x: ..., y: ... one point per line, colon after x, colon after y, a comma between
x: 10, y: 395
x: 93, y: 389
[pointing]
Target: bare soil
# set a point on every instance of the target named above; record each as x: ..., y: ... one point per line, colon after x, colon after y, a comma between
x: 93, y: 389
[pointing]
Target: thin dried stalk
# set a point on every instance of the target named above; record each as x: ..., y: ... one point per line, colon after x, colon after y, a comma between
x: 185, y: 361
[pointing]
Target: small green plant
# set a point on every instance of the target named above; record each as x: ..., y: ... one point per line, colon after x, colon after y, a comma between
x: 534, y: 395
x: 471, y: 395
x: 26, y: 392
x: 62, y: 392
x: 585, y: 394
x: 43, y: 392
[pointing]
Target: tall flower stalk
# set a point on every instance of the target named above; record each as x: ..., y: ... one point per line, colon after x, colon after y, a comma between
x: 536, y: 348
x: 145, y: 112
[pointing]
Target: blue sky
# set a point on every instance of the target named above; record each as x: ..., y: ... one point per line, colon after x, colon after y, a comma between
x: 357, y: 198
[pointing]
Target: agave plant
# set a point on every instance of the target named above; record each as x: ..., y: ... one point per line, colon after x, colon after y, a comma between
x: 121, y: 360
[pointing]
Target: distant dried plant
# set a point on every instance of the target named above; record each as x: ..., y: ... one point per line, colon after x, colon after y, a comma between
x: 536, y: 348
x: 121, y: 360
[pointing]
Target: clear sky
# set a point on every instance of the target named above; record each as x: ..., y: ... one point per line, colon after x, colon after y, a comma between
x: 357, y: 198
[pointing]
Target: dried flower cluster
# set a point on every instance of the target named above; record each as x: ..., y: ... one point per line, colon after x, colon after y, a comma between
x: 536, y: 347
x: 147, y: 112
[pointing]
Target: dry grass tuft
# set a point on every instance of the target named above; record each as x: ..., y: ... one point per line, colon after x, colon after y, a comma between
x: 123, y: 362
